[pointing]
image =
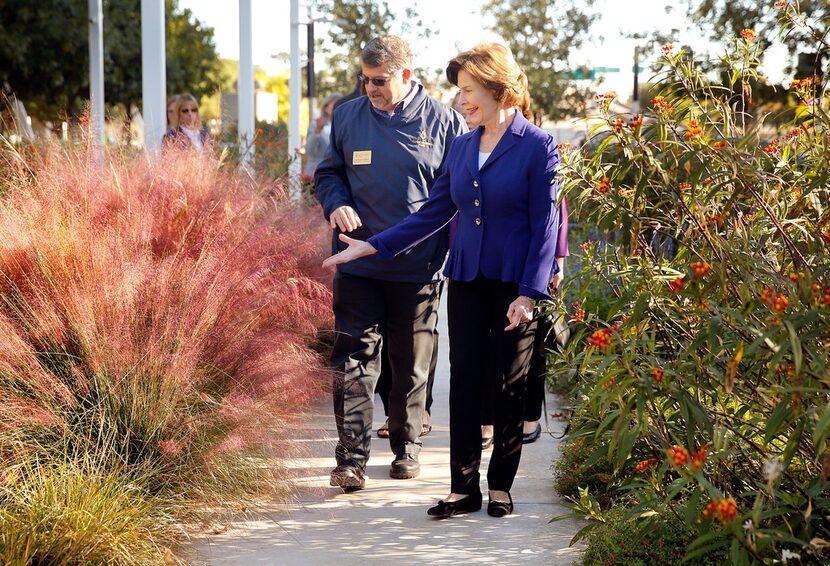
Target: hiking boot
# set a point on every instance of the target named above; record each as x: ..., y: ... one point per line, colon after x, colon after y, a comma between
x: 405, y: 467
x: 347, y: 477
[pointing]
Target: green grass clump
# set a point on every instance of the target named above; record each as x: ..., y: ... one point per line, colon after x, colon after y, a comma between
x: 82, y: 511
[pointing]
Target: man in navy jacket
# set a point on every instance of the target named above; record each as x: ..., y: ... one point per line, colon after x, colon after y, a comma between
x: 387, y: 149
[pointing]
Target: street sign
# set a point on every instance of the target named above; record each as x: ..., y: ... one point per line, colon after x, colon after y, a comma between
x: 592, y: 73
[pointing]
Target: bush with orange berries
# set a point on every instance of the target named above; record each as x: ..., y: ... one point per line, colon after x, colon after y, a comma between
x: 713, y: 265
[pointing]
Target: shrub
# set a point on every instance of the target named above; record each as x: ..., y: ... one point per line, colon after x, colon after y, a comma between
x: 156, y: 312
x: 581, y: 464
x: 654, y: 542
x: 706, y: 377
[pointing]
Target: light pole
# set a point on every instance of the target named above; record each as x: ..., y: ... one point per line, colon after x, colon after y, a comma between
x: 310, y: 79
x: 635, y: 96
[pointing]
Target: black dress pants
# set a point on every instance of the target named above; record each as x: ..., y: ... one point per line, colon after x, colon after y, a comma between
x: 362, y: 306
x: 477, y: 316
x: 536, y: 375
x: 384, y: 385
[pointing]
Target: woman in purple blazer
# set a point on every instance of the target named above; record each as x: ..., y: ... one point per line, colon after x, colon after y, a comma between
x: 500, y: 181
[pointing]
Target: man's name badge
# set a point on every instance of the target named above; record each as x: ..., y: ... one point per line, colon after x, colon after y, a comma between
x: 362, y: 157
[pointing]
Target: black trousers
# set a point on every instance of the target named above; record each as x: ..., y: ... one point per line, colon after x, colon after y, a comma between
x: 384, y: 385
x: 409, y: 311
x: 536, y: 373
x: 477, y: 316
x: 535, y: 391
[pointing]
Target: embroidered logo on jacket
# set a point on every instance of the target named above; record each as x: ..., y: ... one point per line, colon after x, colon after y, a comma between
x: 422, y: 140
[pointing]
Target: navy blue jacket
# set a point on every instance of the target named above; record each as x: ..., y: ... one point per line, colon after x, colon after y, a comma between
x: 508, y: 217
x: 408, y: 153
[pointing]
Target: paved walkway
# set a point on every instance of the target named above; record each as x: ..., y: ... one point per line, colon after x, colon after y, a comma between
x: 386, y: 523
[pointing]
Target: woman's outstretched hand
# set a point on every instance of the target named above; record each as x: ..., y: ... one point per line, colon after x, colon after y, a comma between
x: 356, y: 250
x: 519, y: 311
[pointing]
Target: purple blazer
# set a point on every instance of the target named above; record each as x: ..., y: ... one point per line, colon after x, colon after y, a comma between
x: 508, y: 220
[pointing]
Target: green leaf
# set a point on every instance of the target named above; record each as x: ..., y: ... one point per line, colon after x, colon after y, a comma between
x: 781, y: 412
x: 798, y: 356
x: 706, y: 544
x: 582, y: 533
x: 692, y: 508
x: 792, y: 445
x: 822, y: 429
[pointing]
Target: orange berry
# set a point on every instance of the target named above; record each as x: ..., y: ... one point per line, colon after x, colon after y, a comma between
x: 678, y: 455
x: 657, y: 374
x: 676, y: 285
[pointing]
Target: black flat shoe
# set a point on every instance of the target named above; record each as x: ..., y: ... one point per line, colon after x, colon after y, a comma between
x: 533, y: 436
x: 500, y: 508
x: 446, y: 509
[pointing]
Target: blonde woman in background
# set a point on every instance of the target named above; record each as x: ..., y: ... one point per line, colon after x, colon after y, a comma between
x: 188, y: 131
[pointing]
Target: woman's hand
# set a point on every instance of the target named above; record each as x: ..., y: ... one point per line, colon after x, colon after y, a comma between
x: 559, y: 276
x: 356, y: 250
x: 555, y: 281
x: 519, y: 311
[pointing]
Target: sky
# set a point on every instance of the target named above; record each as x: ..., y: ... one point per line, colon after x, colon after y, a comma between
x: 458, y: 25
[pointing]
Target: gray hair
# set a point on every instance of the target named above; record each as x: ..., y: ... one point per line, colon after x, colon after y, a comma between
x: 333, y: 97
x: 387, y: 49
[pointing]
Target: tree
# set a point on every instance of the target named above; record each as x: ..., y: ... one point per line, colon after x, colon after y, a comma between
x: 192, y: 62
x: 353, y: 23
x: 542, y: 36
x: 44, y: 54
x: 727, y: 19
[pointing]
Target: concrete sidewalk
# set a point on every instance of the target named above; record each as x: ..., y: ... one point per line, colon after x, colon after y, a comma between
x: 386, y: 523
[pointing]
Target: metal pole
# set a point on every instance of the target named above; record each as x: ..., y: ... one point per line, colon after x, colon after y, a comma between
x: 246, y: 84
x: 635, y: 106
x: 96, y: 77
x: 294, y: 95
x: 153, y: 74
x: 310, y: 79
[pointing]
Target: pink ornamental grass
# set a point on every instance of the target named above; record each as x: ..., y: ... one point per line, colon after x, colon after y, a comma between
x: 176, y: 299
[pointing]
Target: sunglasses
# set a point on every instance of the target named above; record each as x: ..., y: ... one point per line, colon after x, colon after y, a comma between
x: 189, y: 110
x: 377, y: 81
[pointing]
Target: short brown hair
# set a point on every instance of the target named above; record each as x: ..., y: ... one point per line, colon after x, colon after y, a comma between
x: 388, y: 49
x: 493, y: 65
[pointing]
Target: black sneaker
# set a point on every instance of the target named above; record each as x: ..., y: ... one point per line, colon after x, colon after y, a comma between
x: 347, y: 477
x: 405, y: 467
